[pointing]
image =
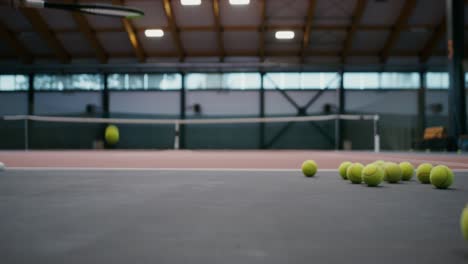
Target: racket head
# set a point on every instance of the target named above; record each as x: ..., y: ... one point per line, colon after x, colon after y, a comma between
x: 99, y: 9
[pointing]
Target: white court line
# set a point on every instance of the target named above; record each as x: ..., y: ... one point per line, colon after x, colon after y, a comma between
x: 170, y: 169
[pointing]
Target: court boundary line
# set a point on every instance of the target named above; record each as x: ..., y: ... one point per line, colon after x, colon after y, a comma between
x: 169, y: 169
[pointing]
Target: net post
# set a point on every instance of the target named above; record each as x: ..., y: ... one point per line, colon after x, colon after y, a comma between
x: 376, y: 134
x: 337, y: 131
x: 176, y: 135
x: 26, y: 134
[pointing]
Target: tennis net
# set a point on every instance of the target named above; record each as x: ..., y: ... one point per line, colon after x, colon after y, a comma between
x: 283, y: 132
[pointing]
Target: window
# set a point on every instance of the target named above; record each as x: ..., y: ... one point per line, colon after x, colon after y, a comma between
x: 360, y: 80
x: 147, y: 81
x: 296, y: 80
x: 399, y: 80
x: 14, y: 82
x: 437, y: 80
x: 240, y: 81
x: 384, y: 80
x: 68, y: 82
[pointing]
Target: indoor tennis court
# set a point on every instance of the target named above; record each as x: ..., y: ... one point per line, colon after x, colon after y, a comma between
x: 233, y: 131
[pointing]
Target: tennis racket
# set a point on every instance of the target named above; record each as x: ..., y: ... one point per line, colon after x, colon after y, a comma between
x: 94, y: 9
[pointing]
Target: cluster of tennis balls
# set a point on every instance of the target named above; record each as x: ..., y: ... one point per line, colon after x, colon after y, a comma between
x: 373, y: 174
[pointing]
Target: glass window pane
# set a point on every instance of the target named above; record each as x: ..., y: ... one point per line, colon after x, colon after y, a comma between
x: 361, y: 80
x: 241, y: 81
x: 320, y: 80
x: 169, y: 81
x: 204, y: 81
x: 68, y: 82
x: 282, y: 80
x: 437, y: 80
x: 116, y: 81
x: 14, y: 82
x: 399, y: 80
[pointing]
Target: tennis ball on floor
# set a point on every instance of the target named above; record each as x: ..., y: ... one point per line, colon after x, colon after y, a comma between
x: 2, y: 166
x: 423, y: 172
x: 464, y: 222
x: 379, y: 162
x: 354, y: 171
x: 441, y: 177
x: 372, y: 175
x: 392, y: 172
x: 111, y: 135
x: 342, y: 169
x: 309, y: 168
x: 407, y: 170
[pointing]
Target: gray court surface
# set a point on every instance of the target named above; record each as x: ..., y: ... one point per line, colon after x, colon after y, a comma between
x: 225, y: 217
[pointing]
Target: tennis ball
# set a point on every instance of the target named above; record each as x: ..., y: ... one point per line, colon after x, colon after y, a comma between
x: 111, y: 135
x: 392, y: 172
x: 309, y: 168
x: 2, y: 166
x: 354, y: 172
x: 407, y: 170
x: 441, y: 177
x: 372, y: 175
x: 379, y: 162
x: 423, y: 172
x: 342, y: 169
x: 464, y: 222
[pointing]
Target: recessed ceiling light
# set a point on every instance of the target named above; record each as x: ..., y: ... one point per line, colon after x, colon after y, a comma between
x: 284, y: 34
x: 154, y: 33
x: 190, y: 2
x: 239, y: 2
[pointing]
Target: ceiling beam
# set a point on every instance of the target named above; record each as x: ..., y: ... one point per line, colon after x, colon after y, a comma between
x: 90, y: 36
x: 15, y: 44
x: 261, y: 31
x: 173, y: 28
x: 252, y: 53
x: 355, y: 20
x: 308, y: 28
x: 401, y: 21
x: 42, y: 29
x: 251, y: 28
x: 431, y: 43
x: 132, y: 35
x: 219, y: 30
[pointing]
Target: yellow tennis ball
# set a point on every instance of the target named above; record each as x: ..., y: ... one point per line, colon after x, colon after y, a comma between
x: 423, y: 172
x: 379, y: 162
x: 309, y: 168
x: 441, y: 177
x: 342, y: 169
x: 372, y: 175
x: 407, y: 170
x: 354, y: 172
x: 464, y: 222
x: 392, y: 172
x: 111, y: 135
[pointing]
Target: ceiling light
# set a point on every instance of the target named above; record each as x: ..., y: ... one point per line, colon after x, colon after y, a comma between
x: 239, y: 2
x: 286, y: 34
x: 154, y: 33
x: 190, y: 2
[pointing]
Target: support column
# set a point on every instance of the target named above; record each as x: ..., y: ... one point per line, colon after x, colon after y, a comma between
x: 31, y: 100
x: 261, y: 135
x: 457, y: 101
x: 182, y: 114
x: 105, y: 98
x: 421, y: 106
x: 341, y: 110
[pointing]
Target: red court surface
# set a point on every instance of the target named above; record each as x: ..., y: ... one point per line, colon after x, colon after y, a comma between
x: 214, y: 159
